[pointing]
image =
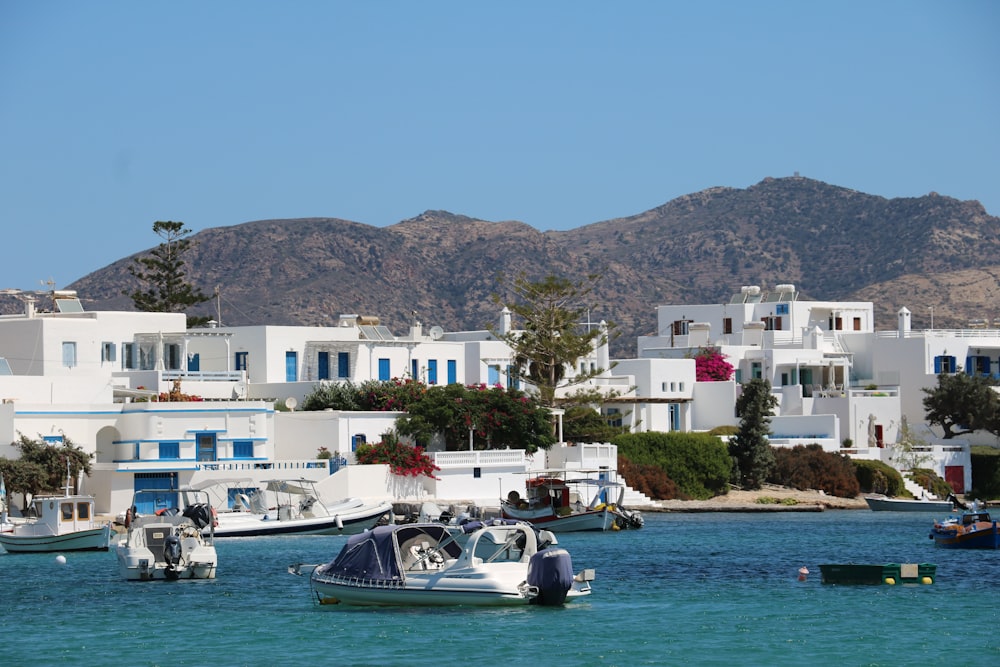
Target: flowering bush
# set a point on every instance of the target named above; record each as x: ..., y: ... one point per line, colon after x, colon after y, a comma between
x: 401, y: 459
x: 710, y: 365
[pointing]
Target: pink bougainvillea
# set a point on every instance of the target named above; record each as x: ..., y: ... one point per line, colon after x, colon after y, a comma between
x: 710, y: 365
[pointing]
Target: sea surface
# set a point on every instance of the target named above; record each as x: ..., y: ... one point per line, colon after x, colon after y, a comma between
x: 687, y: 589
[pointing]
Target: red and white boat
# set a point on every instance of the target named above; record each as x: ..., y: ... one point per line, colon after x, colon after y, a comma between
x: 553, y: 501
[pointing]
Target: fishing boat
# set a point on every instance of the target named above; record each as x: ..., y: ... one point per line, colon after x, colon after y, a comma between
x: 549, y: 502
x: 972, y: 529
x: 299, y: 511
x: 174, y: 542
x: 889, y: 573
x: 483, y: 564
x: 58, y: 523
x: 884, y: 504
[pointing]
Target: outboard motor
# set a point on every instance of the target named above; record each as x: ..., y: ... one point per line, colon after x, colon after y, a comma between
x: 172, y: 555
x: 551, y: 572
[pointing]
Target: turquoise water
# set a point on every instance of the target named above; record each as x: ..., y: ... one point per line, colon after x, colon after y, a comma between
x: 692, y: 589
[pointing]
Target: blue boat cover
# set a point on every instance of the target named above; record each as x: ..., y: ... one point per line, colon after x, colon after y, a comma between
x: 374, y: 554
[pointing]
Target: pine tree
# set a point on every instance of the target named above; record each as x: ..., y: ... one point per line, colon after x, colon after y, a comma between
x: 552, y: 340
x: 162, y: 271
x: 753, y: 458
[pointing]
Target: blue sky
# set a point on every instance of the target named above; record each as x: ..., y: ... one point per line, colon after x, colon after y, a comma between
x: 116, y: 114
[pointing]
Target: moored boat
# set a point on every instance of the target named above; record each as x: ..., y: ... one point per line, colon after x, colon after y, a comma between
x: 884, y: 504
x: 175, y: 542
x: 889, y: 573
x: 500, y: 563
x: 299, y: 511
x: 59, y: 523
x: 549, y: 503
x: 972, y: 529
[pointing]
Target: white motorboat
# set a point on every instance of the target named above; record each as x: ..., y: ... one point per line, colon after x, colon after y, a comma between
x: 60, y: 523
x: 549, y: 504
x: 884, y: 504
x: 171, y: 543
x: 298, y: 511
x: 503, y: 563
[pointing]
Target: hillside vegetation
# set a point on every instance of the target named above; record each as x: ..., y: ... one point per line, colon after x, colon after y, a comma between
x: 833, y: 243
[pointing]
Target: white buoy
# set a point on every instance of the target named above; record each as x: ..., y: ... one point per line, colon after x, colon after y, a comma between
x: 61, y: 559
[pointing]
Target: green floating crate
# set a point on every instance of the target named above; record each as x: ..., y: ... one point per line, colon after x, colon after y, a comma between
x: 890, y: 573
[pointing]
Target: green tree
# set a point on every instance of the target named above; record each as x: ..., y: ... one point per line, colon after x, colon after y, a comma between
x: 496, y: 418
x: 753, y: 458
x: 162, y: 273
x: 910, y: 450
x: 42, y: 467
x: 552, y: 339
x: 962, y: 404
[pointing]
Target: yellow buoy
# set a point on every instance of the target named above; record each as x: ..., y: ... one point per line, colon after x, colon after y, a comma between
x: 890, y: 580
x: 927, y: 580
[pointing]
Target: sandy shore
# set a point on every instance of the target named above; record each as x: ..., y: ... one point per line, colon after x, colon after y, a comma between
x: 747, y: 501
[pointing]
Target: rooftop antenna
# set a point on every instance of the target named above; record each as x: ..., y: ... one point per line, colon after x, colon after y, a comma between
x: 51, y: 284
x: 218, y: 305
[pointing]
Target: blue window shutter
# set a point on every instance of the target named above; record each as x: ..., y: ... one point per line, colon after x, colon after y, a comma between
x: 415, y: 369
x: 343, y: 364
x: 968, y: 365
x: 383, y: 370
x: 953, y: 365
x: 493, y: 375
x: 452, y: 371
x: 937, y: 364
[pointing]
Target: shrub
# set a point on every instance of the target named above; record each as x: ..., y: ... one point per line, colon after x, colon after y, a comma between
x: 698, y: 463
x: 930, y: 480
x: 401, y: 459
x: 878, y: 477
x: 648, y: 479
x: 985, y: 473
x: 809, y: 467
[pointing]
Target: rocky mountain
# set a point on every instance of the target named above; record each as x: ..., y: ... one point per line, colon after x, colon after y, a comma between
x: 831, y: 242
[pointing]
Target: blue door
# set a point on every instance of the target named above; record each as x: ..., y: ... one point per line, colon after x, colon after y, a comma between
x: 206, y: 446
x: 291, y: 366
x: 383, y: 370
x: 432, y: 371
x: 452, y: 371
x: 150, y: 502
x: 194, y: 362
x: 324, y: 366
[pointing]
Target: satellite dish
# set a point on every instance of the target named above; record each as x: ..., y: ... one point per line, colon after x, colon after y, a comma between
x: 436, y: 332
x: 291, y: 402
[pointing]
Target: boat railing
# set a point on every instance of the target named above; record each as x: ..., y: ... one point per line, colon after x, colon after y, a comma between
x: 360, y: 582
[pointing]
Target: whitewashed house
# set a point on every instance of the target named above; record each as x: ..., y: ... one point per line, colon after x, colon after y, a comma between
x: 838, y: 382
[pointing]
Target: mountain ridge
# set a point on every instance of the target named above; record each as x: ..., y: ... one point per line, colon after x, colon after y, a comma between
x: 833, y: 243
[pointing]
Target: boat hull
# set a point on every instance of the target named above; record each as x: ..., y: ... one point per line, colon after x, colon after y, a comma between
x: 890, y: 573
x: 596, y: 520
x: 257, y: 527
x: 139, y: 564
x: 902, y: 505
x: 985, y: 536
x: 95, y: 539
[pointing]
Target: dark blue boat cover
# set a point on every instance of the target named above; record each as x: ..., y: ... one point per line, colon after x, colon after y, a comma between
x: 373, y: 554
